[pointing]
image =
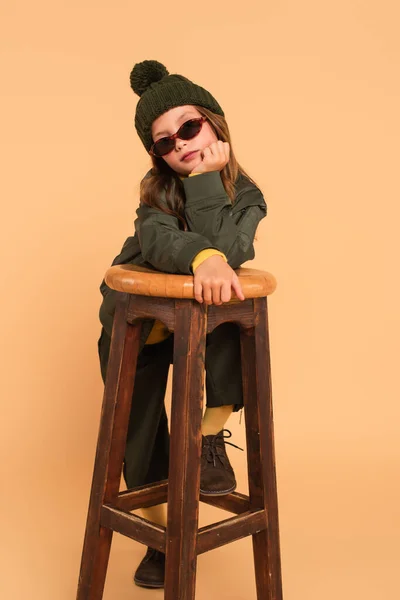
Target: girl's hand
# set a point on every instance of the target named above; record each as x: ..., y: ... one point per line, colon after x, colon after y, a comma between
x: 213, y: 280
x: 215, y: 157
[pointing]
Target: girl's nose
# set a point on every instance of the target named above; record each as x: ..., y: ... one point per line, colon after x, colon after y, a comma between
x: 179, y: 143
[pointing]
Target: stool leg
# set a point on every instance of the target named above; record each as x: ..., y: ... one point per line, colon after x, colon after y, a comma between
x: 110, y: 450
x: 256, y: 372
x: 185, y: 450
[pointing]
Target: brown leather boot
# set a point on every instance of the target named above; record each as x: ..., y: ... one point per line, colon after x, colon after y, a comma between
x: 151, y: 571
x: 216, y: 474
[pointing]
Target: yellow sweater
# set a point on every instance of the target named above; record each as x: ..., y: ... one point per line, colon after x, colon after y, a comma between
x: 160, y: 331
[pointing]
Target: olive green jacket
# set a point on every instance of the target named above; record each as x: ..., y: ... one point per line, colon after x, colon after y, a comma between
x: 160, y: 243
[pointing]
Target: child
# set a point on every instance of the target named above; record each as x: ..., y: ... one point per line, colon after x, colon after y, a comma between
x: 198, y: 214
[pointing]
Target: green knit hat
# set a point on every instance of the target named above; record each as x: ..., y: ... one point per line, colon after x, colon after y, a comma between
x: 159, y: 91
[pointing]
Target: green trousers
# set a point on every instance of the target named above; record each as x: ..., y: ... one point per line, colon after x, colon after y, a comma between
x: 147, y: 447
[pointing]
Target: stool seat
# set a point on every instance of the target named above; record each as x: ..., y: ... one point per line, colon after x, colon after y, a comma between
x: 136, y: 279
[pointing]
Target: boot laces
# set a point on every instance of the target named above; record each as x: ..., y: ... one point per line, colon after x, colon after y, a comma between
x: 211, y: 448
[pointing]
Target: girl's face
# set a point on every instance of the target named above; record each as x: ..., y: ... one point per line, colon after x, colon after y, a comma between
x: 168, y: 123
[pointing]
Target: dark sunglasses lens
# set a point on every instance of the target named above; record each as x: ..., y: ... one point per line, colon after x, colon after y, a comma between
x: 190, y: 129
x: 163, y: 146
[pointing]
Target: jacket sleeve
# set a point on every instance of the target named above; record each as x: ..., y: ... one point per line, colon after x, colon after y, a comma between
x: 229, y: 228
x: 164, y: 245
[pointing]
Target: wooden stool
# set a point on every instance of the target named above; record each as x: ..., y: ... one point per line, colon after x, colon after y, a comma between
x: 169, y: 298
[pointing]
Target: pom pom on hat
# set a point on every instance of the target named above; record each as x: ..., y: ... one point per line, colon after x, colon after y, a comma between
x: 145, y: 73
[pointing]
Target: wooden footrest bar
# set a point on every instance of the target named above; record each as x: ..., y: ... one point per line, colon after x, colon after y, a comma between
x: 143, y: 496
x: 209, y: 537
x: 157, y: 493
x: 235, y: 503
x: 137, y: 528
x: 229, y: 530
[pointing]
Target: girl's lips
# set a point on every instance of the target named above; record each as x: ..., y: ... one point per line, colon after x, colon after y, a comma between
x: 190, y: 155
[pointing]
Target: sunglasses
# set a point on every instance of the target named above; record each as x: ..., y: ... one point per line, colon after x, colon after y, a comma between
x: 186, y: 131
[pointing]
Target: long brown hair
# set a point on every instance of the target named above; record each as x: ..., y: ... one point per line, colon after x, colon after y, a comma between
x: 162, y: 177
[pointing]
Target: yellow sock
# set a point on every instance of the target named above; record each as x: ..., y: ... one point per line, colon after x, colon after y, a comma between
x: 213, y: 421
x: 215, y: 418
x: 157, y: 514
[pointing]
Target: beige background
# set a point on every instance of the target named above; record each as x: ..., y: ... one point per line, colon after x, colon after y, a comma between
x: 311, y: 94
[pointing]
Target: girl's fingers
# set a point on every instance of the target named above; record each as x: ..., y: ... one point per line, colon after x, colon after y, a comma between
x: 198, y: 289
x: 227, y: 149
x: 217, y: 147
x: 226, y: 291
x: 216, y: 293
x: 217, y: 153
x: 237, y: 287
x: 215, y: 150
x: 207, y: 293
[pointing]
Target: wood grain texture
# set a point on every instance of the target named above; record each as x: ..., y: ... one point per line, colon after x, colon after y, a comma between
x: 135, y: 527
x: 151, y: 307
x: 257, y: 392
x: 185, y: 450
x: 143, y: 496
x: 239, y: 311
x: 110, y: 450
x: 234, y: 502
x: 135, y: 279
x: 227, y: 531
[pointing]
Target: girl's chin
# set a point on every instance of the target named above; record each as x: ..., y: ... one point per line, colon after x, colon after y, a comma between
x: 190, y: 168
x: 194, y: 163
